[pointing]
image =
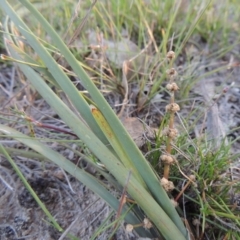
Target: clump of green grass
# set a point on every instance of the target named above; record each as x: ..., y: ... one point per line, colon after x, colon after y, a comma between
x: 205, y: 202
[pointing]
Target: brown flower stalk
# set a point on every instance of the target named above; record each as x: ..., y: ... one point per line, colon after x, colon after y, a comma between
x: 172, y: 108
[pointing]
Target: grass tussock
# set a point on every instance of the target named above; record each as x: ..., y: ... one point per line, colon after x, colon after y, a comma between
x: 93, y: 68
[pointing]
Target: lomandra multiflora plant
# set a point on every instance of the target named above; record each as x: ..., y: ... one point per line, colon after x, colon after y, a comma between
x: 171, y: 132
x: 106, y: 139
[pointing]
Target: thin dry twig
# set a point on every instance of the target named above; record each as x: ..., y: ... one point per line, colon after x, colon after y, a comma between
x: 125, y: 84
x: 81, y: 25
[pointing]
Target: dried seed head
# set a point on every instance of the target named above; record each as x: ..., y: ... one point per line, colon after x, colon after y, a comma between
x: 146, y: 223
x: 167, y: 159
x: 170, y: 132
x: 129, y: 227
x: 172, y: 107
x: 172, y: 74
x: 164, y: 181
x: 167, y: 185
x: 170, y: 186
x: 192, y: 177
x: 171, y: 55
x: 173, y: 87
x: 196, y: 222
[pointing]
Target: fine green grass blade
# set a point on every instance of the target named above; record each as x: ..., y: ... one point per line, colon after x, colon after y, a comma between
x: 193, y: 26
x: 123, y: 137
